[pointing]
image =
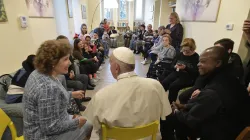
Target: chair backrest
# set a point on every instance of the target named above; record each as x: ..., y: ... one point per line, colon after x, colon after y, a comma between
x: 130, y: 133
x: 244, y: 135
x: 5, y: 121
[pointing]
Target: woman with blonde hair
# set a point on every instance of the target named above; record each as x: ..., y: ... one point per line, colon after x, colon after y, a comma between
x: 186, y: 70
x: 175, y: 30
x: 45, y: 100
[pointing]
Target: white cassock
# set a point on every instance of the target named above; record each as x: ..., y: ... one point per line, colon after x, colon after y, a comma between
x: 131, y: 101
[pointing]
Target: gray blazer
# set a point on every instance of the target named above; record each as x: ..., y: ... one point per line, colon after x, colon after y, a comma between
x: 45, y: 108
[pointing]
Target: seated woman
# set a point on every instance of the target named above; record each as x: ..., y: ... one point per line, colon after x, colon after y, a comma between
x: 45, y: 100
x: 167, y: 53
x: 86, y: 65
x: 16, y: 89
x: 148, y: 46
x: 186, y: 70
x: 165, y: 56
x: 93, y: 49
x: 97, y: 42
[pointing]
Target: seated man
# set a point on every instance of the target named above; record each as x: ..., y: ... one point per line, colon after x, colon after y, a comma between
x: 16, y: 89
x: 113, y: 37
x: 139, y: 43
x: 148, y: 37
x: 236, y: 69
x: 127, y: 37
x: 135, y: 100
x: 219, y: 112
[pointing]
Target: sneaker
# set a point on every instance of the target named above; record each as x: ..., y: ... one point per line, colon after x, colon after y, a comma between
x: 143, y: 62
x: 89, y: 87
x: 93, y: 81
x: 82, y: 108
x: 97, y: 78
x: 86, y: 99
x: 100, y: 68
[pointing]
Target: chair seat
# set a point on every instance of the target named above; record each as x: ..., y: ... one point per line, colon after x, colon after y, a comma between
x: 12, y: 110
x: 20, y: 138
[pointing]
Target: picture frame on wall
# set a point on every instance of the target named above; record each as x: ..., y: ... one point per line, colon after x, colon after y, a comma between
x: 208, y: 10
x: 84, y: 12
x: 3, y: 15
x: 70, y: 9
x: 40, y: 9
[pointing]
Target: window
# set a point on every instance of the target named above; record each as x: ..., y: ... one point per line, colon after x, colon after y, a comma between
x: 139, y: 10
x: 108, y: 13
x: 123, y: 10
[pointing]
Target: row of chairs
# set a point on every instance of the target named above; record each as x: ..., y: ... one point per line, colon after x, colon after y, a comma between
x: 107, y: 132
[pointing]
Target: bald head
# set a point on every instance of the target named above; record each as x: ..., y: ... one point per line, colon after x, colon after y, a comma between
x: 212, y: 59
x: 218, y: 53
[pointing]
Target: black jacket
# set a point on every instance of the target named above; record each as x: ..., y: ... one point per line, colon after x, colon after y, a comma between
x: 71, y: 68
x: 176, y: 35
x: 141, y: 34
x: 191, y: 64
x: 236, y: 66
x: 221, y: 110
x: 22, y: 75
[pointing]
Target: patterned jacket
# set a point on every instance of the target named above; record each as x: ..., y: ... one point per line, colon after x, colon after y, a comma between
x: 45, y: 108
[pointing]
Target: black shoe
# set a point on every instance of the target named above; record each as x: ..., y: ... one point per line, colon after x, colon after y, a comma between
x: 89, y: 87
x: 137, y: 52
x: 82, y: 108
x: 134, y: 51
x: 92, y: 85
x: 86, y: 99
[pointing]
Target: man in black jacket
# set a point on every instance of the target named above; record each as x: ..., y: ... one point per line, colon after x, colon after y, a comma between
x: 219, y: 112
x: 235, y: 67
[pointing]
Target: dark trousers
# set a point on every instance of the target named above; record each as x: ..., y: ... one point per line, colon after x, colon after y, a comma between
x: 89, y: 68
x: 182, y: 131
x: 200, y: 82
x: 127, y: 42
x: 174, y: 82
x: 153, y: 57
x: 80, y: 82
x: 146, y: 49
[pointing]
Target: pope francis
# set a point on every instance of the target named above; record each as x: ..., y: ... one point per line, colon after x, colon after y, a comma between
x: 131, y: 101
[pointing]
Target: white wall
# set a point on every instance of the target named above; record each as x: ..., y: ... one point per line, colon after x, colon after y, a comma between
x: 77, y: 15
x: 61, y: 17
x: 206, y: 33
x: 156, y: 14
x: 17, y: 43
x: 147, y: 12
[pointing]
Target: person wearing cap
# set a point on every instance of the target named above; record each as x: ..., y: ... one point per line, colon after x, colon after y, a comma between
x: 131, y: 101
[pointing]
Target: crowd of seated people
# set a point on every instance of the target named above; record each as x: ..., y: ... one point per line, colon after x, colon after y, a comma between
x: 214, y: 107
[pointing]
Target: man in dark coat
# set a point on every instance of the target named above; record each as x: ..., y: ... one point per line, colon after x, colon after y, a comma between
x: 219, y: 112
x: 235, y: 67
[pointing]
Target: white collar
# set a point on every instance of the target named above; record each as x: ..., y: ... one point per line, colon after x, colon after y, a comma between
x: 126, y: 75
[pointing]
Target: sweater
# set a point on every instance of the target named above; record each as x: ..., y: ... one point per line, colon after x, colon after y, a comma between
x: 191, y: 64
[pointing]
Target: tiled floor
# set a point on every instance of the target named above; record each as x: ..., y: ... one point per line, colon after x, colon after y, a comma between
x: 107, y: 78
